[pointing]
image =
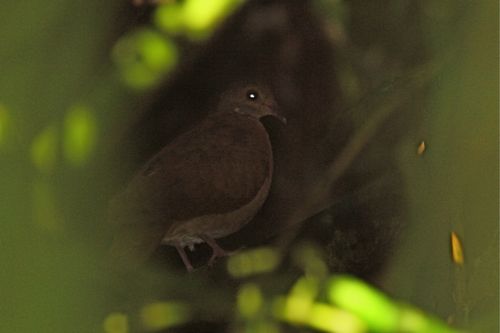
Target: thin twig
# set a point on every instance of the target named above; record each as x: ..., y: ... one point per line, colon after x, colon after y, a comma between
x: 319, y: 197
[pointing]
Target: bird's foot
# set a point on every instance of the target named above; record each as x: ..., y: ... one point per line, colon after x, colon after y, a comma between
x: 217, y: 251
x: 215, y: 255
x: 185, y: 258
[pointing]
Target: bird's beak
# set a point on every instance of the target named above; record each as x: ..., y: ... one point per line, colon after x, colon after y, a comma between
x: 281, y: 118
x: 275, y: 112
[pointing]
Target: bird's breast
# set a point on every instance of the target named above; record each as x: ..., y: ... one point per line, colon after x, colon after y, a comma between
x: 186, y: 233
x: 210, y: 181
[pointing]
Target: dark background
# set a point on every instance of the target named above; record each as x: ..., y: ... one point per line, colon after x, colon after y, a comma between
x: 90, y: 90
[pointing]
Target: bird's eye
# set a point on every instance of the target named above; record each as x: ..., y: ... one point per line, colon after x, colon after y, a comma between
x: 252, y: 95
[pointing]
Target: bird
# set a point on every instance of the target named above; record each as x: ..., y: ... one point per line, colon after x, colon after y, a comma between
x: 206, y: 184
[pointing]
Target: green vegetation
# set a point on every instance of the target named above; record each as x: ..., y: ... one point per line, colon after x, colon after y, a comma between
x: 68, y: 86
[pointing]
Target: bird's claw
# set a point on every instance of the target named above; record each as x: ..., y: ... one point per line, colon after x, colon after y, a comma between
x: 217, y: 251
x: 217, y: 254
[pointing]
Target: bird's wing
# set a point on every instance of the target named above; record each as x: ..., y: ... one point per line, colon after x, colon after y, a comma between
x: 217, y: 167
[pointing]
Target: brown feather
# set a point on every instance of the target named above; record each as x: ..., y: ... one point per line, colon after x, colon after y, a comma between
x: 205, y: 184
x: 217, y: 167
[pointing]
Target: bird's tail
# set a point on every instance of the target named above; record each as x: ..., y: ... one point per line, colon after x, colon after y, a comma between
x: 133, y: 244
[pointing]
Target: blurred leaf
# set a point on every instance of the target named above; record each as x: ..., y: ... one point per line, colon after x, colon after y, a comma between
x: 457, y: 252
x: 296, y: 307
x: 170, y: 18
x: 51, y: 56
x: 249, y: 262
x: 357, y: 308
x: 202, y: 16
x: 116, y: 323
x: 161, y: 315
x: 374, y: 308
x: 309, y: 258
x: 327, y: 318
x: 80, y: 134
x: 195, y: 18
x: 44, y: 149
x: 249, y: 300
x: 144, y: 58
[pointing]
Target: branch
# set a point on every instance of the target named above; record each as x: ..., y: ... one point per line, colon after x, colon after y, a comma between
x: 387, y: 100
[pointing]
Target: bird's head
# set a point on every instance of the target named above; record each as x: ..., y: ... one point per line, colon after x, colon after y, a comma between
x: 251, y: 100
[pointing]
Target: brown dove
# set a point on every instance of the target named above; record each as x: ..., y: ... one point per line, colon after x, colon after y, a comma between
x: 206, y: 184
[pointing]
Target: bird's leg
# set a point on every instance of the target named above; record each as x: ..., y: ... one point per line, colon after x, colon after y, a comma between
x: 217, y: 251
x: 184, y: 257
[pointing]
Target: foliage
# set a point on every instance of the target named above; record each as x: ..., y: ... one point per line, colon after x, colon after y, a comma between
x: 71, y: 81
